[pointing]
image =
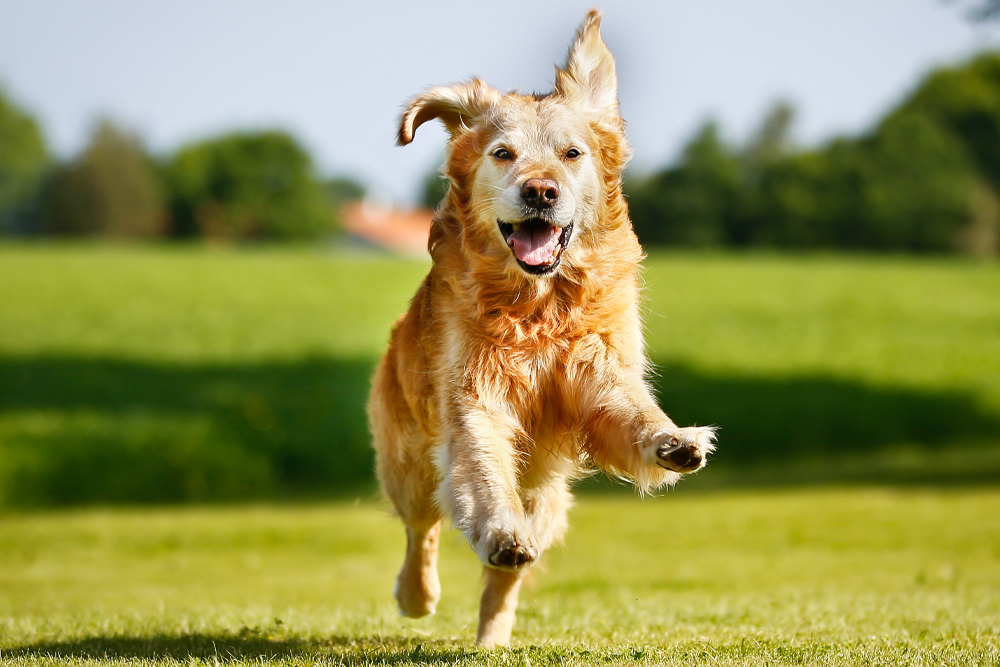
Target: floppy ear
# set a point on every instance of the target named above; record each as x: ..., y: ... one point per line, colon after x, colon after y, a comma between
x: 589, y: 75
x: 458, y: 107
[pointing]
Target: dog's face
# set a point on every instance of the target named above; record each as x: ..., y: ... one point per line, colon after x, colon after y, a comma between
x: 537, y: 180
x: 530, y: 170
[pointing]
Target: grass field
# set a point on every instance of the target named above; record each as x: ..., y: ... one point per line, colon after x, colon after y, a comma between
x: 830, y: 577
x: 141, y: 375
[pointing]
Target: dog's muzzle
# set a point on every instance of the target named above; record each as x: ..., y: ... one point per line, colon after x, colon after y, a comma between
x: 537, y: 244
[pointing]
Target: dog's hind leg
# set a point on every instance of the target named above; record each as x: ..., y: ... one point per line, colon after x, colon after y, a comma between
x: 408, y: 479
x: 546, y: 507
x: 417, y: 586
x: 498, y: 606
x: 411, y: 491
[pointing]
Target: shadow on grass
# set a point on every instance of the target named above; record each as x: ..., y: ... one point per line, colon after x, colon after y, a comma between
x: 800, y: 430
x: 250, y: 646
x: 94, y: 430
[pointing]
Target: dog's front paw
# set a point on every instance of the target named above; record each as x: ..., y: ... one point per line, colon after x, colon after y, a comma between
x: 512, y: 555
x: 506, y: 550
x: 682, y: 450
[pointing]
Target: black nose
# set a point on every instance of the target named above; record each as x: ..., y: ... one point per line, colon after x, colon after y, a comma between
x: 540, y: 193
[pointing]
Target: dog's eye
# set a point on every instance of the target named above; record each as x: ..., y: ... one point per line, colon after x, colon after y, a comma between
x: 503, y: 154
x: 573, y: 154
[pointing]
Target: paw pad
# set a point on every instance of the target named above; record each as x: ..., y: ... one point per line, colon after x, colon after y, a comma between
x: 684, y: 450
x: 680, y: 458
x: 512, y: 557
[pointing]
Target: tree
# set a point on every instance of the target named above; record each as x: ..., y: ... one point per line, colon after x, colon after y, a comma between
x: 247, y: 185
x: 926, y: 179
x: 695, y: 203
x: 806, y: 200
x: 966, y: 101
x: 23, y: 161
x: 919, y: 185
x: 773, y: 139
x: 908, y: 186
x: 112, y: 189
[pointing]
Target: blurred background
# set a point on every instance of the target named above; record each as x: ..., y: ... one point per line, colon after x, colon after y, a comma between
x: 206, y: 232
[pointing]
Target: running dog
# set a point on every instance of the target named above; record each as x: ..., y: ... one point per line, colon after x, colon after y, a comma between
x: 520, y: 363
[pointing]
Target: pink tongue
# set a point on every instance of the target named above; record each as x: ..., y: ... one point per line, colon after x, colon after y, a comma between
x: 534, y: 245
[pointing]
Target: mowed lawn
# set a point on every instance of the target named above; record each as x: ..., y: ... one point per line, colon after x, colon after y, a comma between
x: 824, y: 577
x: 143, y: 375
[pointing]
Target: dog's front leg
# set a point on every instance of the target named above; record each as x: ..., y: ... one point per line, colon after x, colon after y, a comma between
x: 479, y: 487
x: 628, y: 434
x: 478, y: 466
x: 498, y: 606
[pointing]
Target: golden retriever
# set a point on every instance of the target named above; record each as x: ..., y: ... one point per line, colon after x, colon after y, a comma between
x: 520, y: 362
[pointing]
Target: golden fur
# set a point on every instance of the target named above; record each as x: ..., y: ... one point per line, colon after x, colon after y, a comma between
x: 500, y: 387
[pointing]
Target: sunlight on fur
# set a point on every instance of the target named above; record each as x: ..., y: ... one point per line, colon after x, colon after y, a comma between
x: 520, y: 364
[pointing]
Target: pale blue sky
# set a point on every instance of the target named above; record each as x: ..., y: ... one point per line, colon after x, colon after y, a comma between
x: 336, y: 74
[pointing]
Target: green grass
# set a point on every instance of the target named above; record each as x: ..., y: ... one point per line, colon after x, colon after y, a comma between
x: 134, y: 373
x: 830, y: 577
x: 151, y: 374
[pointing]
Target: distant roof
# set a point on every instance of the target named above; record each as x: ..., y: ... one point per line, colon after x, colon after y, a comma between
x: 403, y: 231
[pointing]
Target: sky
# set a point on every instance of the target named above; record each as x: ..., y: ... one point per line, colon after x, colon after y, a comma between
x: 337, y: 74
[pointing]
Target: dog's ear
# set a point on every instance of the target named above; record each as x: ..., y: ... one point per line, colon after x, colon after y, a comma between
x: 458, y: 107
x: 589, y: 75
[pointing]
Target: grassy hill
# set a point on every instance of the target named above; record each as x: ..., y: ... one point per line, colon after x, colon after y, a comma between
x: 190, y: 373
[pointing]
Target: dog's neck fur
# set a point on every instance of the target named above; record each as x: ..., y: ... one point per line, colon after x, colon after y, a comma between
x: 589, y: 292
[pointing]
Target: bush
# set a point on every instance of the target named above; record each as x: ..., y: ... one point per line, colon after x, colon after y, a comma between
x: 112, y: 189
x: 23, y: 161
x: 247, y: 186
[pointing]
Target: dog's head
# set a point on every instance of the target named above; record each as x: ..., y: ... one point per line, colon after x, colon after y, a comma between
x: 533, y: 176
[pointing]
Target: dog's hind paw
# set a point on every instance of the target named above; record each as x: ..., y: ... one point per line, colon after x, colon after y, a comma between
x: 683, y: 450
x: 415, y: 598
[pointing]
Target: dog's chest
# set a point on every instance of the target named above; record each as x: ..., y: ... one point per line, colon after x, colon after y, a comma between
x: 545, y: 383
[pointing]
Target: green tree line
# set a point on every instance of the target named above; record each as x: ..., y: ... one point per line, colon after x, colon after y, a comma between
x: 243, y: 185
x: 926, y: 178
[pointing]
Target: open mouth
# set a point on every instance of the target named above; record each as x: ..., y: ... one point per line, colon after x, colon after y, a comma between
x: 537, y: 244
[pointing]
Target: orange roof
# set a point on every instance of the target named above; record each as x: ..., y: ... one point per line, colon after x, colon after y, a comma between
x: 399, y: 230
